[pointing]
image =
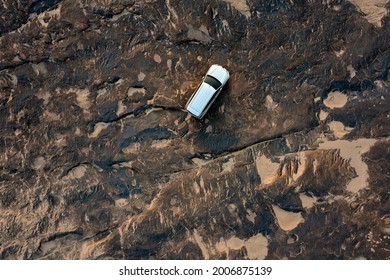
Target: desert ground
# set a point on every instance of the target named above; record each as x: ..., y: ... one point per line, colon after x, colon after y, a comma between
x: 100, y: 160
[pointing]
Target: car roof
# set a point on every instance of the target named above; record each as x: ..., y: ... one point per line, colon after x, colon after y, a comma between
x: 201, y: 98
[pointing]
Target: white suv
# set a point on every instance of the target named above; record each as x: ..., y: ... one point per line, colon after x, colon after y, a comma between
x: 212, y: 84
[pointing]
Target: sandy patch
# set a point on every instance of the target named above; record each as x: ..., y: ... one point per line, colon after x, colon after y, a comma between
x: 132, y: 148
x: 250, y: 215
x: 132, y: 91
x: 336, y: 99
x: 287, y: 220
x: 125, y: 164
x: 121, y: 108
x: 232, y: 208
x: 241, y: 6
x: 233, y: 243
x: 228, y: 166
x: 176, y: 211
x: 307, y: 201
x: 45, y: 96
x: 77, y: 172
x: 340, y: 53
x: 169, y: 64
x: 352, y: 71
x: 82, y: 98
x: 256, y: 246
x: 353, y: 150
x: 77, y: 131
x: 39, y: 69
x: 339, y: 129
x: 157, y: 58
x: 196, y: 187
x: 161, y: 144
x: 141, y: 76
x: 270, y: 104
x: 121, y: 202
x: 99, y: 127
x: 45, y: 17
x: 49, y: 246
x: 374, y: 10
x: 266, y: 169
x: 199, y: 161
x: 323, y: 115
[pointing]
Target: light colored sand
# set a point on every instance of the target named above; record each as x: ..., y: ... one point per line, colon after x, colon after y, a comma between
x: 46, y: 247
x: 266, y: 169
x: 352, y: 71
x: 336, y: 99
x: 287, y: 220
x: 39, y: 69
x: 141, y: 76
x: 374, y: 10
x: 161, y: 144
x: 256, y: 246
x: 199, y: 161
x: 235, y: 243
x: 45, y: 96
x: 340, y: 53
x: 77, y: 172
x: 228, y: 166
x: 132, y: 91
x: 157, y: 58
x: 241, y: 6
x: 270, y: 104
x: 169, y: 64
x: 83, y: 99
x: 323, y: 115
x: 121, y: 108
x: 307, y: 201
x: 121, y: 202
x: 44, y: 18
x: 339, y: 129
x: 251, y: 216
x: 353, y: 150
x: 99, y: 127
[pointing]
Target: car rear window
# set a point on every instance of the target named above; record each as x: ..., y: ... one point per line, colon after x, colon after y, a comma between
x: 212, y: 82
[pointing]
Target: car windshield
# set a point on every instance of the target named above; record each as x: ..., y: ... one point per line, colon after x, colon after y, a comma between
x: 212, y: 82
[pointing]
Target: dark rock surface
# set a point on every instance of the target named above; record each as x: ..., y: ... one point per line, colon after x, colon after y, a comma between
x: 98, y: 159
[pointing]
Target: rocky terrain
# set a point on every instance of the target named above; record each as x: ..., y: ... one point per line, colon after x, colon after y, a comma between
x: 99, y: 160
